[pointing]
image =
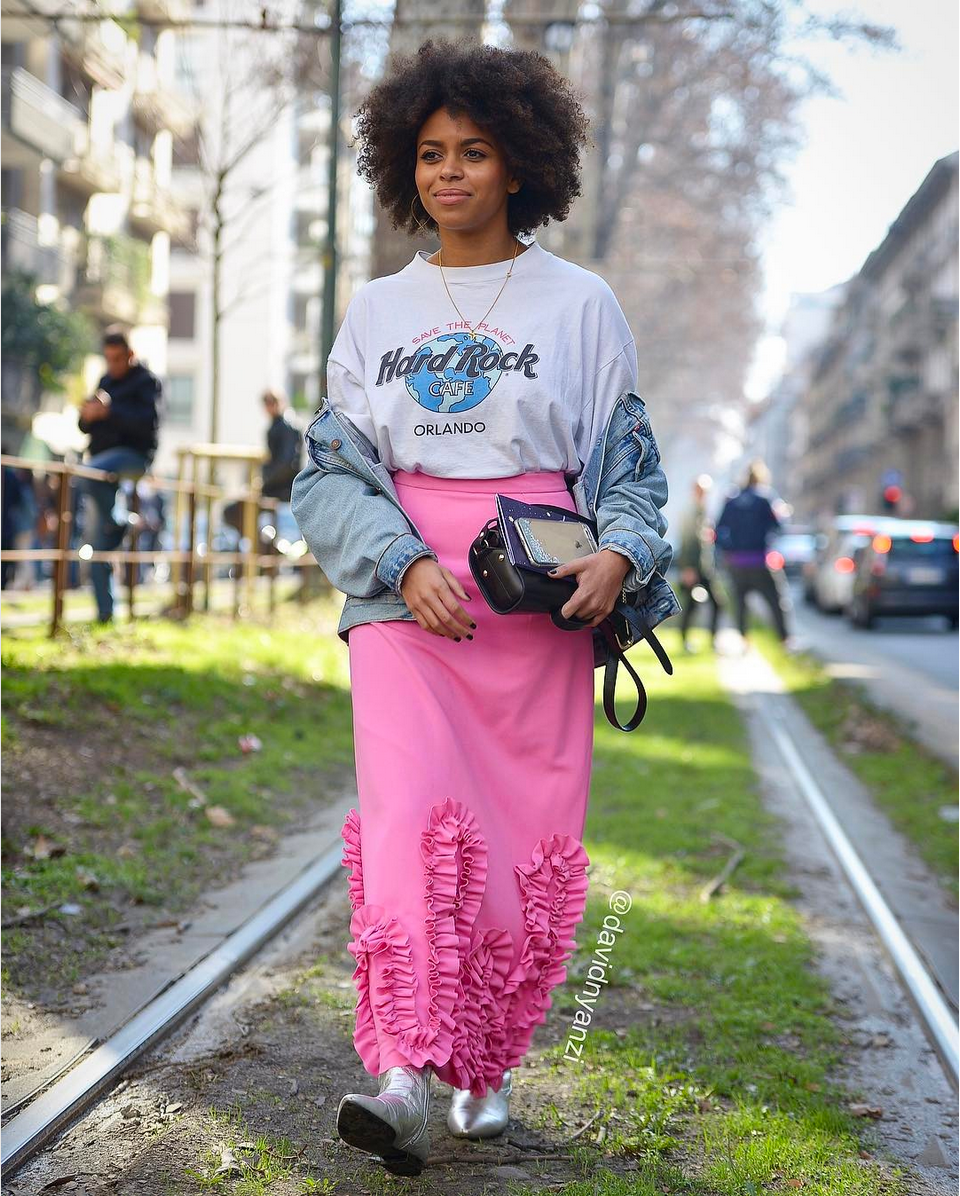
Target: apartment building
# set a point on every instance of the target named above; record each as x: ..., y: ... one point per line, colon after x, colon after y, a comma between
x: 776, y: 430
x: 881, y: 403
x: 272, y: 265
x: 89, y: 115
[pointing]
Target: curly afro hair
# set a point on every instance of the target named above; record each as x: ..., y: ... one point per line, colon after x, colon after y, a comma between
x: 518, y: 95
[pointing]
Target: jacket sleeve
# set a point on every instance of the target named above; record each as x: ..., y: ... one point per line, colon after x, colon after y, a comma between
x: 137, y: 415
x: 630, y: 518
x: 357, y: 536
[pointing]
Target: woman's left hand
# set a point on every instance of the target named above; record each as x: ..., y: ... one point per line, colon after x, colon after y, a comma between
x: 599, y: 580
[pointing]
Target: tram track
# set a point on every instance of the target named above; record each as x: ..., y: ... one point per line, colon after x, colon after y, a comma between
x: 97, y: 1071
x: 57, y: 1104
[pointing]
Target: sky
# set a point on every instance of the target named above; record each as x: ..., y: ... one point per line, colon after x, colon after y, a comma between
x: 864, y: 154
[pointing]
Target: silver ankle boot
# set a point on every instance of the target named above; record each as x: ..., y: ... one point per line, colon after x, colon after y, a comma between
x: 393, y: 1125
x: 480, y: 1116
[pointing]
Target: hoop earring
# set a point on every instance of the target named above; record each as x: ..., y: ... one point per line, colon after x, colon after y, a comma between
x: 420, y: 225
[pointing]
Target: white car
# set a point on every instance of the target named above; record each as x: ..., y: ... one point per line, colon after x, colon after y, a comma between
x: 828, y: 579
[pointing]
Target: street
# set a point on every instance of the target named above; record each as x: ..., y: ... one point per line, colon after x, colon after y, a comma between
x: 908, y: 665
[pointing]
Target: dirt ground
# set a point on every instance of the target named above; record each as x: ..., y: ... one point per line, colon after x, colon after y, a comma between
x: 267, y: 1061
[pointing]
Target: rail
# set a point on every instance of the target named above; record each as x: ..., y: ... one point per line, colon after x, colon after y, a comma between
x: 192, y: 565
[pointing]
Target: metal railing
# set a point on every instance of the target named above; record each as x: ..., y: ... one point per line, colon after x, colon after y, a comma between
x: 190, y: 566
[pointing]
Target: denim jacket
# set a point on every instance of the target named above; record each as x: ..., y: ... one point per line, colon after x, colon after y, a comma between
x: 351, y: 519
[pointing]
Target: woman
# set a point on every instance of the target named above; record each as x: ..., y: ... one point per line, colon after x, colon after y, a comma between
x: 487, y: 366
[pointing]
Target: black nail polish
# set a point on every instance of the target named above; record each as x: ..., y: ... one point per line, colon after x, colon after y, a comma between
x: 456, y: 639
x: 469, y: 637
x: 474, y: 626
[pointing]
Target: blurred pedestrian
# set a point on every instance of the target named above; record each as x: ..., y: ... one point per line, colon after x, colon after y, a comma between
x: 27, y: 511
x: 46, y: 488
x: 285, y: 449
x: 742, y: 532
x: 285, y: 446
x: 12, y: 510
x: 122, y: 419
x: 696, y: 563
x: 152, y: 506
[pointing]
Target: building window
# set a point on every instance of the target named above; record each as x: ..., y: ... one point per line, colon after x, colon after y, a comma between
x: 182, y: 311
x: 178, y: 396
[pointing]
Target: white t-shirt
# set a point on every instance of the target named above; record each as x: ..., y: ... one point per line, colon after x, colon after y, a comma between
x: 532, y: 392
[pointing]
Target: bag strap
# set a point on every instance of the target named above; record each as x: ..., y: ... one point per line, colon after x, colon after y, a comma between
x: 614, y: 659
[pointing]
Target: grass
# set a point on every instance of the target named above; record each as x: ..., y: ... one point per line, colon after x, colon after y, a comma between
x: 907, y: 781
x: 248, y: 1166
x: 728, y: 1043
x: 98, y: 724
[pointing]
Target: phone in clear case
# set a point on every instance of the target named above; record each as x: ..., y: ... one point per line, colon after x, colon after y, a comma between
x: 555, y: 541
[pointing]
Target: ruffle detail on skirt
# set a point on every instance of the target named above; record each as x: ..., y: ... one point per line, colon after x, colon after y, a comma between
x: 482, y: 1006
x: 377, y: 935
x: 554, y: 894
x: 350, y: 834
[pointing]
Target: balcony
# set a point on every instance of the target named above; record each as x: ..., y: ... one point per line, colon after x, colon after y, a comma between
x: 156, y: 105
x: 154, y: 208
x: 97, y: 49
x: 22, y: 250
x: 95, y: 169
x: 115, y: 281
x: 908, y: 405
x: 37, y: 117
x: 164, y: 10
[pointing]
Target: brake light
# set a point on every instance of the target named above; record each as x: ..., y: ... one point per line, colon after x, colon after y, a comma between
x: 774, y: 559
x: 921, y: 537
x: 881, y: 543
x: 956, y: 543
x: 843, y: 564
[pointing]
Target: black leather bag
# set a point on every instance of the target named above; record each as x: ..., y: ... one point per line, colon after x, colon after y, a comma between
x: 510, y: 580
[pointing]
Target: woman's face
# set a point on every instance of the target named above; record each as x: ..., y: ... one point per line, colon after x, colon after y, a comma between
x: 461, y: 175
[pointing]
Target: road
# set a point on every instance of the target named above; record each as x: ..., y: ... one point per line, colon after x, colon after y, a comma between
x: 908, y: 666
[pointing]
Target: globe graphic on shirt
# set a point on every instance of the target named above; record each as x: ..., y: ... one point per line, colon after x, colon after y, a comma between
x: 453, y: 389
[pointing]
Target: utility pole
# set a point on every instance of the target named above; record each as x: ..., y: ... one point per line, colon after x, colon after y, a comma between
x: 330, y: 249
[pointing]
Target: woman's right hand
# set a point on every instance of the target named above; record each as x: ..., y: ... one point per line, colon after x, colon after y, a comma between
x: 431, y: 590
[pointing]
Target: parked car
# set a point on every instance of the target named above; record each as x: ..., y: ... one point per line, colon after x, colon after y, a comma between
x: 908, y: 568
x: 792, y: 549
x: 828, y: 578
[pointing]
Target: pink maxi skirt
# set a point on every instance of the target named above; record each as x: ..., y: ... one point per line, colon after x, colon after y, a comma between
x: 467, y: 873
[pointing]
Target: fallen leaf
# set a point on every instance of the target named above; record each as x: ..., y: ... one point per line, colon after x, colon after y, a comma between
x: 197, y: 796
x: 228, y: 1163
x: 88, y: 880
x: 219, y: 816
x: 45, y: 849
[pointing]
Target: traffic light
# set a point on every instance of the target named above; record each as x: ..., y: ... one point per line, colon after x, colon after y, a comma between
x: 891, y: 495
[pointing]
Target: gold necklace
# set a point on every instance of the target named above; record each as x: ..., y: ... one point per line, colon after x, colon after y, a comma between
x: 473, y: 332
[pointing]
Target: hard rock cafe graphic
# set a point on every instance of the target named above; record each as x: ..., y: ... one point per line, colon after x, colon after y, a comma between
x: 453, y: 372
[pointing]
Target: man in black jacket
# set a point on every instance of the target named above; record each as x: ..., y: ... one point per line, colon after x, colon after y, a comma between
x: 122, y: 419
